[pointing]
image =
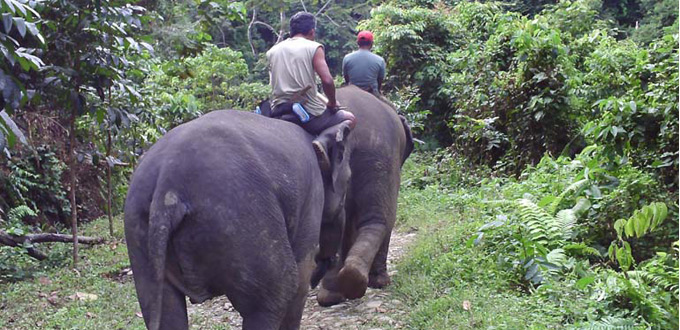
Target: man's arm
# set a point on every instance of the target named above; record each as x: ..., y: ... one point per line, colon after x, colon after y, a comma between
x: 381, y: 76
x: 344, y: 70
x: 324, y: 73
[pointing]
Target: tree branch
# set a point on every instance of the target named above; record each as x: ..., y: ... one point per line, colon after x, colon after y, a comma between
x: 267, y: 26
x: 50, y: 237
x: 282, y: 18
x: 303, y: 5
x: 323, y: 8
x: 13, y: 240
x: 331, y: 20
x: 250, y: 35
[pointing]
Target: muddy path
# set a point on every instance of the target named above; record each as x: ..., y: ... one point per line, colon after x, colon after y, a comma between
x: 378, y: 309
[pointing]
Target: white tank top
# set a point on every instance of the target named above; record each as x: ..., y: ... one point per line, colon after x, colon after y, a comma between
x: 291, y: 69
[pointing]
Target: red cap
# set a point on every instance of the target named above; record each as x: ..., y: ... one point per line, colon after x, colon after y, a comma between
x: 365, y: 35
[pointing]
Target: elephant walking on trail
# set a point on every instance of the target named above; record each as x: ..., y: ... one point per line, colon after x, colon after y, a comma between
x: 377, y: 147
x: 230, y: 204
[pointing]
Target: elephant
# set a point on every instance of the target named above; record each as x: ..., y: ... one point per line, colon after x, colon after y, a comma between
x: 230, y: 204
x: 376, y: 148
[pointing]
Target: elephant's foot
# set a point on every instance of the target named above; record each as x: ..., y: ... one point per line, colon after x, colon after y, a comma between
x: 353, y: 278
x: 328, y: 298
x: 379, y: 281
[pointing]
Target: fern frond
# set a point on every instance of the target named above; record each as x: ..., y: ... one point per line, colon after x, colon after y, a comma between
x: 581, y: 249
x: 545, y: 228
x: 611, y: 323
x: 556, y: 257
x: 20, y: 212
x: 565, y: 221
x: 657, y: 272
x: 537, y: 221
x: 574, y: 187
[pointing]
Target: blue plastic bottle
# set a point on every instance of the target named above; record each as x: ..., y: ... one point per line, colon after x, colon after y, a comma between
x: 299, y: 110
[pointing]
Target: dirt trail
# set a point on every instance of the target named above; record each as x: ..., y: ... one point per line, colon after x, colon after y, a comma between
x: 376, y: 310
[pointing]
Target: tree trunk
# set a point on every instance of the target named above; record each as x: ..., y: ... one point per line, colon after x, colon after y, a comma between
x: 108, y: 181
x: 72, y: 177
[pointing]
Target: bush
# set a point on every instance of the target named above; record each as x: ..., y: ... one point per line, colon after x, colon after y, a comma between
x: 215, y: 79
x: 504, y: 88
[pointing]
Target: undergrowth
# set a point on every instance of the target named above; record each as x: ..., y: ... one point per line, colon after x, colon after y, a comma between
x: 505, y: 253
x: 51, y: 295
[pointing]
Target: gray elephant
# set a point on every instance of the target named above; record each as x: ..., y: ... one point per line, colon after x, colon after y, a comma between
x: 230, y: 204
x: 377, y: 148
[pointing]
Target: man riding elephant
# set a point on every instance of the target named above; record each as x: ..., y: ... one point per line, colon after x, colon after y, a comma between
x: 294, y: 64
x: 353, y: 247
x: 362, y: 68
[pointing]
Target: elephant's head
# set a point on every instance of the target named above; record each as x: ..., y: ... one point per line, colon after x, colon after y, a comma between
x: 336, y: 185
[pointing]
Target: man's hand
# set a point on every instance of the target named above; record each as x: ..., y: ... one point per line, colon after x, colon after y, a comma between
x: 333, y: 107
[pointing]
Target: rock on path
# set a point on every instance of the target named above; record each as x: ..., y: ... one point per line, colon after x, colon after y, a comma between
x: 376, y: 310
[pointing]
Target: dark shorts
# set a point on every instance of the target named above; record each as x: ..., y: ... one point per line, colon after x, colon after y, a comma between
x: 319, y: 123
x: 316, y: 124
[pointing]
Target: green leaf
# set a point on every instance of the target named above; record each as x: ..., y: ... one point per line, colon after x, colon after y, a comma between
x: 7, y: 22
x: 21, y: 26
x: 546, y: 200
x: 623, y: 257
x: 633, y: 106
x: 583, y: 283
x: 643, y: 224
x: 34, y: 31
x: 101, y: 113
x: 659, y: 211
x: 612, y: 251
x: 618, y: 226
x: 637, y: 220
x: 3, y: 141
x: 582, y: 205
x: 629, y: 228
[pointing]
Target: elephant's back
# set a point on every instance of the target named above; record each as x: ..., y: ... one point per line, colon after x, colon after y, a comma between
x: 229, y: 137
x: 378, y: 130
x: 226, y: 154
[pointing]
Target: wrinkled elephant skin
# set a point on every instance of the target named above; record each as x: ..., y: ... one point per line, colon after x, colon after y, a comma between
x: 228, y: 204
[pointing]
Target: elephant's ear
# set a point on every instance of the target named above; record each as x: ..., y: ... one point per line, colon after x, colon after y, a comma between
x: 408, y: 148
x: 340, y: 169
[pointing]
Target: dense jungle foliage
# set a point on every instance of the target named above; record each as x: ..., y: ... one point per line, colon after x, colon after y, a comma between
x: 547, y: 175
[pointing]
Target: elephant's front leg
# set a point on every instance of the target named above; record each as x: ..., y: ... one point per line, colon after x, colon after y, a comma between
x: 353, y: 277
x: 330, y: 241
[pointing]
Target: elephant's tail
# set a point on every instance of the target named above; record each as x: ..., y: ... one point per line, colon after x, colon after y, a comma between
x: 166, y: 212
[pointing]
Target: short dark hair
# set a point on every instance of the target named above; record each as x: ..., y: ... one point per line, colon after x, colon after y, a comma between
x: 302, y: 22
x: 363, y: 43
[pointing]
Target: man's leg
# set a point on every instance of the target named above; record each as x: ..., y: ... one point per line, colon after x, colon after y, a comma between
x: 318, y: 124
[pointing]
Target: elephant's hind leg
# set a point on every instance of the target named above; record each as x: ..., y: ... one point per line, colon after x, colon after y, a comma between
x: 174, y: 309
x: 378, y: 277
x: 174, y: 316
x: 264, y: 295
x: 297, y: 305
